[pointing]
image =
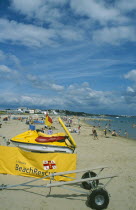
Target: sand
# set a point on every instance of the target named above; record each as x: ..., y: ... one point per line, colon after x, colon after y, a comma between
x: 116, y: 152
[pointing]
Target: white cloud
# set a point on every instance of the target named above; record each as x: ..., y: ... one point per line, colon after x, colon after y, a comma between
x: 28, y: 35
x: 115, y: 35
x: 35, y: 36
x: 11, y: 98
x: 31, y: 6
x: 42, y: 10
x: 89, y: 97
x: 97, y: 10
x: 55, y: 22
x: 25, y: 6
x: 5, y: 69
x: 130, y: 89
x: 41, y: 82
x: 57, y: 87
x: 54, y: 12
x: 9, y: 58
x: 8, y: 73
x: 131, y: 75
x: 75, y: 97
x: 126, y: 5
x: 48, y: 9
x: 130, y: 94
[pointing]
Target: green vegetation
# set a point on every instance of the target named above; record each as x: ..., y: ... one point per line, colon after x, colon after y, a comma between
x: 3, y: 112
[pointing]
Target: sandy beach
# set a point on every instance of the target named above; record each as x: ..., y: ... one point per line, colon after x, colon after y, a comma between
x: 116, y: 152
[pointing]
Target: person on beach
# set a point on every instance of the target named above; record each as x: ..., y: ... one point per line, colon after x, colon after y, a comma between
x: 105, y: 132
x: 93, y: 129
x: 94, y: 133
x: 79, y: 129
x: 50, y: 132
x: 114, y: 133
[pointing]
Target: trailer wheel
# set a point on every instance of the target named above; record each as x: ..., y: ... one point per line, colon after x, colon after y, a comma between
x: 88, y: 184
x: 98, y: 199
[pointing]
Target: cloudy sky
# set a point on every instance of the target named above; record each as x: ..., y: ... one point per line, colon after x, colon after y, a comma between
x: 78, y: 55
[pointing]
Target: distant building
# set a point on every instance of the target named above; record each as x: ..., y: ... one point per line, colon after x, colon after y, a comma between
x: 37, y: 111
x: 22, y: 109
x: 54, y: 112
x: 31, y: 111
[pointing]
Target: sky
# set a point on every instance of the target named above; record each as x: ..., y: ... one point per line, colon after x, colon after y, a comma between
x: 78, y: 55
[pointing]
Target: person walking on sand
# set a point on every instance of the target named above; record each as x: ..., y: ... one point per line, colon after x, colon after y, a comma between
x: 79, y: 129
x: 105, y: 132
x: 94, y: 133
x: 93, y: 129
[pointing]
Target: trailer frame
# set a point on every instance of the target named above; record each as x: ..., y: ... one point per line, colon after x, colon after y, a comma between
x: 97, y: 195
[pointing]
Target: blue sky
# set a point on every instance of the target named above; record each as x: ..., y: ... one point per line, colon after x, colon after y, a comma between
x: 78, y: 55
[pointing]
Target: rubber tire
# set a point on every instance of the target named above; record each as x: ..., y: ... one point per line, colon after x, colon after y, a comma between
x: 91, y: 202
x: 87, y: 185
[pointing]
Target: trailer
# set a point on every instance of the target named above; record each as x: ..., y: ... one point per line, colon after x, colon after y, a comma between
x: 97, y: 195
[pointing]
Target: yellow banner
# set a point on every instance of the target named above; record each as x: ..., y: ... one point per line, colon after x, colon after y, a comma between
x: 18, y: 162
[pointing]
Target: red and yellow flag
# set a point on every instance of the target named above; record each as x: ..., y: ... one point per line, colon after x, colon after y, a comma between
x: 48, y: 120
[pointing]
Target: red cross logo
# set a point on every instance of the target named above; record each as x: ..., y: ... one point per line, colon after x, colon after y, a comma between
x: 49, y: 164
